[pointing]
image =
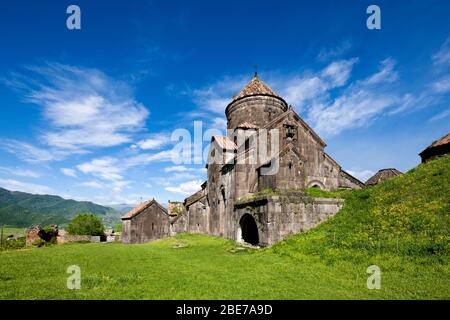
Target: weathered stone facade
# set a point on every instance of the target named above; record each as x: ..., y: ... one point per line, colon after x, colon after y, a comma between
x: 236, y: 171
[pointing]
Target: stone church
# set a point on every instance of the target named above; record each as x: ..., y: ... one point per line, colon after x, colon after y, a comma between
x: 253, y: 198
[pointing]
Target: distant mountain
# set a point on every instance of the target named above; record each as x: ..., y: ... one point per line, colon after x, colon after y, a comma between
x: 122, y: 208
x: 22, y: 209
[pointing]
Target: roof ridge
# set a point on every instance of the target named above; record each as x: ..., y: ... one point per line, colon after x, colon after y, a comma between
x: 255, y: 87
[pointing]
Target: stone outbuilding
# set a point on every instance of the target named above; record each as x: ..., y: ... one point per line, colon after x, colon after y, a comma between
x: 257, y: 174
x: 437, y: 148
x: 383, y: 175
x: 148, y: 221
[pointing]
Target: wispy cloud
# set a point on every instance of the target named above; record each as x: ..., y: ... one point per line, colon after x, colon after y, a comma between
x: 177, y: 169
x: 153, y: 142
x: 334, y: 52
x: 30, y: 153
x: 215, y: 97
x: 106, y: 168
x: 15, y: 185
x: 186, y: 188
x: 362, y: 175
x: 69, y: 172
x: 84, y: 108
x: 20, y: 172
x: 442, y: 57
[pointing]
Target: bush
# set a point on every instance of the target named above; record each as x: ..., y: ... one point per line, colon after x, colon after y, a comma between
x: 86, y: 224
x: 118, y: 227
x: 48, y: 234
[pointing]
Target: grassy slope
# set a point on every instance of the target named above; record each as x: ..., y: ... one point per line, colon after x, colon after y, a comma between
x: 402, y: 226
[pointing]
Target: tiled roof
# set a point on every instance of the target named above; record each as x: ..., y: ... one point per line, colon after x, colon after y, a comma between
x: 382, y: 175
x: 224, y: 143
x: 442, y: 141
x: 144, y: 205
x: 255, y: 87
x: 246, y: 125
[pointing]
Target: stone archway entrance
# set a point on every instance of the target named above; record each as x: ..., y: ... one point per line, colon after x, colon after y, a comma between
x: 249, y: 229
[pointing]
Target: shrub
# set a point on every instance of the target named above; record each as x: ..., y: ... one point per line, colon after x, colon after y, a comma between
x: 48, y: 234
x: 118, y: 227
x: 86, y: 224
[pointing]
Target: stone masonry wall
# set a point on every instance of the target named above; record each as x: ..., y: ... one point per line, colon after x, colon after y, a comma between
x: 280, y: 216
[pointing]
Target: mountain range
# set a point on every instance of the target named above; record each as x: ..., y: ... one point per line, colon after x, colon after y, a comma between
x: 20, y: 209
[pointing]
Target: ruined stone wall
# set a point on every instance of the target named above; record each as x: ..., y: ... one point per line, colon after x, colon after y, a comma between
x: 153, y: 223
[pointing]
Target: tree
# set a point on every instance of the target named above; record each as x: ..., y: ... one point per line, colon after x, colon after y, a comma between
x: 86, y: 224
x: 118, y: 227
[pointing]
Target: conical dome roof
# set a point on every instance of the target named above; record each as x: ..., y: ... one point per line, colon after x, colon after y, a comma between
x: 255, y: 87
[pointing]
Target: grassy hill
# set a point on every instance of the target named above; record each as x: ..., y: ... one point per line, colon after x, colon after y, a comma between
x: 21, y: 209
x: 408, y: 215
x: 401, y: 225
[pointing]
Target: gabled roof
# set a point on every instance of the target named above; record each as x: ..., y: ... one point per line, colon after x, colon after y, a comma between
x: 347, y: 175
x: 302, y: 122
x: 140, y: 208
x: 382, y: 175
x: 224, y: 142
x: 255, y: 87
x: 440, y: 142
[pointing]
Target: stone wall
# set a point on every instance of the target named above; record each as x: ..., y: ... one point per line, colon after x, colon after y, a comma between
x: 257, y: 110
x: 73, y: 238
x: 280, y: 216
x: 150, y: 224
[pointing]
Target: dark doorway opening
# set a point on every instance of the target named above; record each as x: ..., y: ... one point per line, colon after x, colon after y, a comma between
x: 249, y: 229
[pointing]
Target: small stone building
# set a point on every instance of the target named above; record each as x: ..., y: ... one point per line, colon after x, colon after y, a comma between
x: 148, y: 221
x: 383, y: 175
x: 437, y: 148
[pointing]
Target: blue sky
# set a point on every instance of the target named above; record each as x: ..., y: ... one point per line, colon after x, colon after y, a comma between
x: 88, y: 114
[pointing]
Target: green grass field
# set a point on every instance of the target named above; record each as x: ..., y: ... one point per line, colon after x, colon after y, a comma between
x: 402, y: 226
x: 203, y: 267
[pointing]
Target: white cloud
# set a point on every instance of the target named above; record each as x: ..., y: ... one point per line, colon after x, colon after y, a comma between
x: 15, y: 185
x: 219, y: 123
x: 442, y: 85
x: 301, y: 91
x: 441, y: 115
x: 84, y: 107
x: 186, y: 188
x: 29, y: 153
x: 21, y: 172
x: 93, y: 184
x: 69, y: 172
x: 177, y: 169
x: 358, y: 104
x: 106, y: 168
x: 362, y: 175
x: 386, y: 74
x: 442, y: 57
x: 330, y: 53
x: 217, y: 96
x: 156, y: 141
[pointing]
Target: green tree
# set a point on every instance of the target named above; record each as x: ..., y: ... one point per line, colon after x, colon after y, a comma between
x: 118, y: 227
x: 86, y: 224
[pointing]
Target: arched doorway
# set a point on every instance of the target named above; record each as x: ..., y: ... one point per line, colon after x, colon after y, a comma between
x: 249, y: 229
